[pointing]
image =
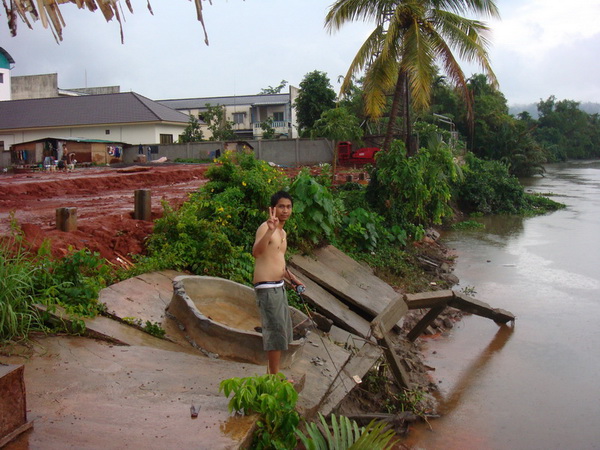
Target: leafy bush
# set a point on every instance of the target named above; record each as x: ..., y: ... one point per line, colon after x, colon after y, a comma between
x: 274, y: 398
x: 75, y: 281
x: 488, y: 188
x: 316, y: 211
x: 213, y: 232
x: 413, y: 192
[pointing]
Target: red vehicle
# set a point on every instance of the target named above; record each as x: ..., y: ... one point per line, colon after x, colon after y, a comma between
x: 362, y: 156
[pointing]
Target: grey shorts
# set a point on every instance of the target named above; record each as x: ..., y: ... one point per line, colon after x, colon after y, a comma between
x: 275, y: 318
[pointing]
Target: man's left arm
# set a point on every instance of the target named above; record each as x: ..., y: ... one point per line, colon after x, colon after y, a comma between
x: 294, y: 281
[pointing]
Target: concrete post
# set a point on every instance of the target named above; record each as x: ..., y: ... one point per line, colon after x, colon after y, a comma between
x: 66, y: 219
x: 143, y: 204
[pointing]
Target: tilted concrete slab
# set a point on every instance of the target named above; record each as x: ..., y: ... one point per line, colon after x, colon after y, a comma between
x: 328, y: 305
x: 347, y: 279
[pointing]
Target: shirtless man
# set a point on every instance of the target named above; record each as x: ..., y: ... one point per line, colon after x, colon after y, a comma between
x: 269, y: 274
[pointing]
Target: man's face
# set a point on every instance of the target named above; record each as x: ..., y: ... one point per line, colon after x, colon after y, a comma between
x: 283, y: 209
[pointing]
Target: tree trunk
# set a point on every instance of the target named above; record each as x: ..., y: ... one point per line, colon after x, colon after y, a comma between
x: 335, y: 160
x: 411, y: 149
x: 400, y: 84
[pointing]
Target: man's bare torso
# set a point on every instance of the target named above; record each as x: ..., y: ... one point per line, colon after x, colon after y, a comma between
x: 270, y: 265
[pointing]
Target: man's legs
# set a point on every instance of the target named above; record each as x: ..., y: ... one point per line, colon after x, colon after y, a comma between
x: 274, y: 357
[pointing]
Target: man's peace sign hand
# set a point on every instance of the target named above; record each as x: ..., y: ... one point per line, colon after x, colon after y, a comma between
x: 273, y: 221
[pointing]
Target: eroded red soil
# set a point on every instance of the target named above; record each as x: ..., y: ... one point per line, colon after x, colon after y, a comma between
x: 104, y: 198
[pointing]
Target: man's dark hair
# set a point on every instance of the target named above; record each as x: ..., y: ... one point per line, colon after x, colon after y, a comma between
x: 278, y: 196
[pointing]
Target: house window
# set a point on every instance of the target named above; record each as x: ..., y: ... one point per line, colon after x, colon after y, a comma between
x: 166, y: 138
x: 278, y: 116
x: 106, y: 131
x: 1, y: 146
x: 1, y: 78
x: 238, y: 118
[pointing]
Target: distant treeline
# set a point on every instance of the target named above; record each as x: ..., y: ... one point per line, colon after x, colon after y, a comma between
x: 561, y: 131
x: 532, y: 109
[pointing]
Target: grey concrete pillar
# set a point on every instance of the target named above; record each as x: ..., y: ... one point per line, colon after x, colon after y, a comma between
x: 143, y: 204
x: 66, y: 219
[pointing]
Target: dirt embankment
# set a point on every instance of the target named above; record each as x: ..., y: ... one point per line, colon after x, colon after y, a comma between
x: 104, y: 198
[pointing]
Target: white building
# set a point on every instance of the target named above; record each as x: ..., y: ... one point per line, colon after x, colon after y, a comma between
x: 247, y: 112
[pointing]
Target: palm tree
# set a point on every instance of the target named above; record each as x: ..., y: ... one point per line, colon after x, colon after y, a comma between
x: 401, y: 53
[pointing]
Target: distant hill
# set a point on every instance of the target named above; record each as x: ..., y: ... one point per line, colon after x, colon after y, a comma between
x: 531, y: 108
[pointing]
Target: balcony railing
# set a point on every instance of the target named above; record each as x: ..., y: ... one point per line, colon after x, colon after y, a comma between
x: 277, y: 124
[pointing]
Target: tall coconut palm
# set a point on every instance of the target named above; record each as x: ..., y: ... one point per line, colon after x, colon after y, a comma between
x: 409, y: 39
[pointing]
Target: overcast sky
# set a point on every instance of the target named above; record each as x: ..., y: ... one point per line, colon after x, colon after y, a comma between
x: 539, y: 48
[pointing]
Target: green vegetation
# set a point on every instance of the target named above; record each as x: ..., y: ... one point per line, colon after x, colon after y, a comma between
x: 274, y: 399
x: 215, y: 117
x: 193, y: 160
x: 316, y: 96
x: 192, y: 132
x: 343, y: 433
x: 400, y: 54
x: 27, y: 279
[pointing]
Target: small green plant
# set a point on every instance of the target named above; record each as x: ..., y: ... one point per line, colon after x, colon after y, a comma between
x: 469, y: 290
x: 149, y: 327
x: 274, y: 399
x: 344, y: 433
x: 154, y: 329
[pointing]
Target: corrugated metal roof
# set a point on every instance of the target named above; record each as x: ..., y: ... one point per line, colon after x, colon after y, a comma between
x: 126, y: 107
x: 73, y: 139
x: 200, y: 102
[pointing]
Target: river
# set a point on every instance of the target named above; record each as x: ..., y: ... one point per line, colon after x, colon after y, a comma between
x: 534, y: 385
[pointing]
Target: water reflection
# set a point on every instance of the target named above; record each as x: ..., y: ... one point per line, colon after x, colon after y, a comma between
x: 473, y: 371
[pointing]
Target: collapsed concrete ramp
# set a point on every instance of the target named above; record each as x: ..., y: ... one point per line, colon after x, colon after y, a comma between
x: 346, y: 279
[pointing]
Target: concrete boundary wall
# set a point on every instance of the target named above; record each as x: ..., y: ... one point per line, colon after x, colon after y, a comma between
x: 283, y: 152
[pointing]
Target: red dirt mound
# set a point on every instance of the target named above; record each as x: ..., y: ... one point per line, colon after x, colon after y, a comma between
x: 104, y: 198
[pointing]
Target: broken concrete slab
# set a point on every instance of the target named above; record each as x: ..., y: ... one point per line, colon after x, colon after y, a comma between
x: 143, y: 297
x: 107, y: 329
x: 332, y: 308
x: 347, y: 279
x: 477, y: 307
x: 350, y: 375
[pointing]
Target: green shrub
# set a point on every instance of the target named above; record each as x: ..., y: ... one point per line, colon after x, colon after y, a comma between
x: 213, y: 232
x: 316, y: 212
x: 344, y: 433
x: 75, y: 281
x: 18, y: 272
x: 488, y: 188
x: 274, y: 399
x: 415, y: 191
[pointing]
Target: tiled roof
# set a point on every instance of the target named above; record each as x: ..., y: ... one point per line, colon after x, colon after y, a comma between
x: 126, y: 107
x: 200, y: 103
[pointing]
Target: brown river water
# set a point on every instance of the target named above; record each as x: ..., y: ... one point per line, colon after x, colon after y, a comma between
x: 535, y: 385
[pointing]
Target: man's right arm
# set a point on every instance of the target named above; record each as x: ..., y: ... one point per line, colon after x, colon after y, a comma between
x: 261, y: 242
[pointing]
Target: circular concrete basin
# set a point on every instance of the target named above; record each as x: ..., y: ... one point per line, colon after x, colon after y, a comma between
x: 221, y: 316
